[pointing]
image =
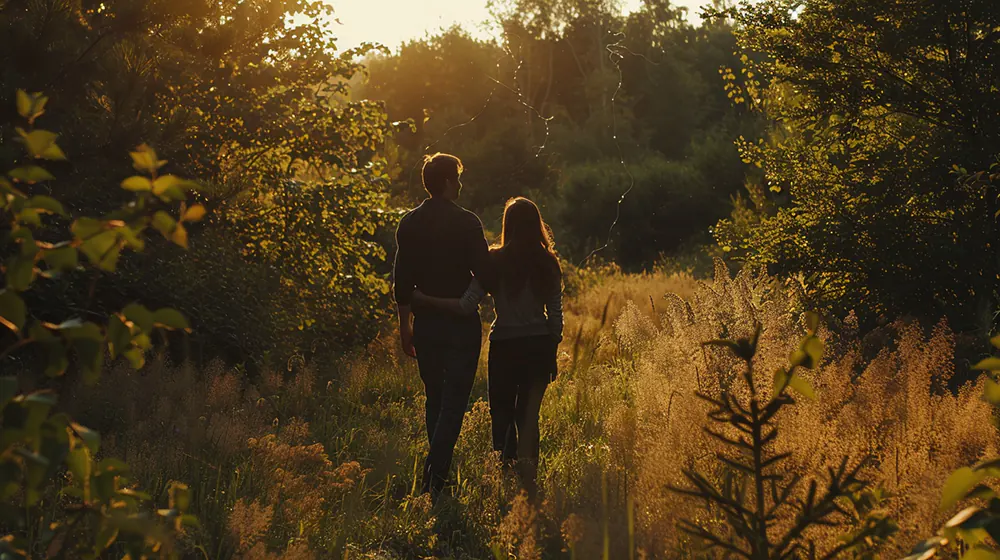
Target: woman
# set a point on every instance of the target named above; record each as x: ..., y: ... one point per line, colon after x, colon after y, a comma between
x: 527, y: 296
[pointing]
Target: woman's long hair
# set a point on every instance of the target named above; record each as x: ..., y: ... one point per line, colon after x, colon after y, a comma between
x: 525, y: 254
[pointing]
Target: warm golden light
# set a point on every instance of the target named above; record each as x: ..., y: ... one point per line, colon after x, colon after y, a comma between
x: 391, y: 22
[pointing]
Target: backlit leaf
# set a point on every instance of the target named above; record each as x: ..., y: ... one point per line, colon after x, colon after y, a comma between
x: 45, y: 203
x: 989, y: 364
x: 991, y: 392
x: 20, y: 273
x: 30, y: 174
x: 38, y: 142
x: 140, y: 316
x: 12, y: 310
x: 980, y: 554
x: 62, y: 258
x: 144, y: 159
x: 812, y: 322
x: 164, y: 223
x: 194, y: 214
x: 170, y: 319
x: 137, y: 183
x: 103, y: 249
x: 24, y: 104
x: 959, y: 484
x: 85, y: 228
x: 180, y: 236
x: 8, y: 388
x: 91, y: 438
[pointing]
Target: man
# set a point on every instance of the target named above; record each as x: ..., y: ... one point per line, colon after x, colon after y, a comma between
x: 440, y: 246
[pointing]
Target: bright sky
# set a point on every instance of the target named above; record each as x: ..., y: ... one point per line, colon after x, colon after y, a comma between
x: 392, y: 22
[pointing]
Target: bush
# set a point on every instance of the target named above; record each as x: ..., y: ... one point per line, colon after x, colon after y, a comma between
x: 55, y: 495
x: 668, y: 203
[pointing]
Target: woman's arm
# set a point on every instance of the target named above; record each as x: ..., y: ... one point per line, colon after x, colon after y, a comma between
x: 554, y: 314
x: 465, y: 305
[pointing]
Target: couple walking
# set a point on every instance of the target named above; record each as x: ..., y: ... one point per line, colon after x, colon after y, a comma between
x: 443, y: 268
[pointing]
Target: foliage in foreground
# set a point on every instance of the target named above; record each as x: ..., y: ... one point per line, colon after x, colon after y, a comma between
x: 975, y: 530
x: 766, y: 517
x: 57, y: 496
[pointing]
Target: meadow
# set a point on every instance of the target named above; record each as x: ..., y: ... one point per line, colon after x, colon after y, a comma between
x: 319, y: 459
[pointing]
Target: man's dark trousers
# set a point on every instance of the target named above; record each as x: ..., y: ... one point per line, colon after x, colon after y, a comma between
x: 448, y: 350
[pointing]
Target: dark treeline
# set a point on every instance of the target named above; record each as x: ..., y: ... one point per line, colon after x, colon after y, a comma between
x: 550, y: 111
x: 850, y: 146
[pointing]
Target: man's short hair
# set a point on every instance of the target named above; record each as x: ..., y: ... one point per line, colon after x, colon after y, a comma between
x: 437, y: 170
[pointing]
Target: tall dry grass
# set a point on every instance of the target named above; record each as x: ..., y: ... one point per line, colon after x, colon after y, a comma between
x: 321, y: 461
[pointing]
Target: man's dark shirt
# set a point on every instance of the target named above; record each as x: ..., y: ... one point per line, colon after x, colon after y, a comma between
x: 439, y: 246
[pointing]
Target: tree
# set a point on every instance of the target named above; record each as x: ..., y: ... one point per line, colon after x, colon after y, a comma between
x: 879, y: 112
x: 248, y: 96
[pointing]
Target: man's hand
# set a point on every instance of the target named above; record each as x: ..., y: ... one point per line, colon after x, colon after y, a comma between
x: 406, y: 331
x: 406, y: 337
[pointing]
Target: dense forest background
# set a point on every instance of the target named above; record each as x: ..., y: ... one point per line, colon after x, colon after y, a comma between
x: 706, y: 183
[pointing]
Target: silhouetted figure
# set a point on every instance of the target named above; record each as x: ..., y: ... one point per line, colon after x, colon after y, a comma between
x: 440, y: 246
x: 527, y: 294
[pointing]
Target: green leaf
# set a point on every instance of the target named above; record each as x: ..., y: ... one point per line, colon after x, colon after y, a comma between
x: 137, y: 183
x: 20, y: 273
x: 30, y: 216
x: 25, y: 104
x: 164, y: 223
x: 8, y: 389
x: 813, y: 347
x: 79, y: 462
x: 45, y: 203
x: 780, y: 382
x: 958, y: 486
x: 136, y: 357
x: 166, y: 182
x: 131, y: 237
x: 144, y: 160
x: 140, y: 316
x: 38, y: 142
x: 62, y: 259
x: 989, y: 364
x: 30, y: 174
x: 812, y: 322
x: 995, y: 341
x: 180, y: 236
x: 980, y: 554
x: 119, y: 336
x: 103, y: 249
x: 85, y: 228
x: 783, y: 379
x: 991, y: 392
x: 194, y: 213
x: 170, y: 319
x: 53, y: 153
x: 91, y: 438
x: 30, y: 105
x: 13, y: 312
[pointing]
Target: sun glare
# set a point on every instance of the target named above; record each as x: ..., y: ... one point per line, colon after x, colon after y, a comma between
x: 391, y: 22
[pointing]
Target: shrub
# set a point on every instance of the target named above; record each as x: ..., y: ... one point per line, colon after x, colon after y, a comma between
x: 55, y: 495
